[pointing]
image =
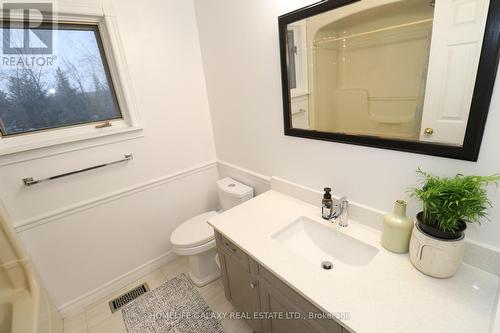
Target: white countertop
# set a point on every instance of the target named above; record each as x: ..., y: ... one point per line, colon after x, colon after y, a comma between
x: 387, y: 295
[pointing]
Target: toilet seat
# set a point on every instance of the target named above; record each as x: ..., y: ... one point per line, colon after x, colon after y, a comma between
x: 191, y: 251
x: 194, y: 235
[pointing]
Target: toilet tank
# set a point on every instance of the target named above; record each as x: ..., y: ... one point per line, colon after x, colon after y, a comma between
x: 232, y: 193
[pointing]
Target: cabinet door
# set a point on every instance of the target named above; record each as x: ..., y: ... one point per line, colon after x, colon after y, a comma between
x: 283, y: 312
x: 289, y: 311
x: 240, y: 285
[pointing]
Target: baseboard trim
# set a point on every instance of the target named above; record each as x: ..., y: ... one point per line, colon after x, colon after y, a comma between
x: 79, y: 304
x: 57, y: 214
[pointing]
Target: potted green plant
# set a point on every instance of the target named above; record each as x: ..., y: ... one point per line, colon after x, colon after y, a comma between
x: 437, y: 241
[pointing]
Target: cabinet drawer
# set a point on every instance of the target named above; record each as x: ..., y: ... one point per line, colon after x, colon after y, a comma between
x: 232, y: 250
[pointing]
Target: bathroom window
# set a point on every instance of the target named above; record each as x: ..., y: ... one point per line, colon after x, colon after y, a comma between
x: 68, y: 85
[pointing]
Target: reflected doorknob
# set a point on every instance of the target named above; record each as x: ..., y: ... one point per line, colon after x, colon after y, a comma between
x: 429, y: 131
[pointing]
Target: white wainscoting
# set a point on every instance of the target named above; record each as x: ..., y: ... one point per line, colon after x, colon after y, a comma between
x: 84, y: 205
x: 85, y: 251
x: 77, y: 305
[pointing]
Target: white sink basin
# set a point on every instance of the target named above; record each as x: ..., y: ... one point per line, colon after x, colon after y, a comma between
x: 316, y: 243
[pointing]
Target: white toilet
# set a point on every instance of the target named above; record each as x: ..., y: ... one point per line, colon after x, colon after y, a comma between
x: 195, y: 237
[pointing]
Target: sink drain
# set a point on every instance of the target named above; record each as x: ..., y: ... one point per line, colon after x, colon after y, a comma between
x: 326, y: 265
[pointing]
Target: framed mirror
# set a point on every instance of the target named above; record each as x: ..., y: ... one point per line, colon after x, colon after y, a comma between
x: 410, y: 75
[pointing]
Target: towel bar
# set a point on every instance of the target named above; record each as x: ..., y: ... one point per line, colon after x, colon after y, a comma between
x: 30, y: 181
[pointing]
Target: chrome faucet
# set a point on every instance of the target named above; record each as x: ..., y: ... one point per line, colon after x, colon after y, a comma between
x: 340, y: 208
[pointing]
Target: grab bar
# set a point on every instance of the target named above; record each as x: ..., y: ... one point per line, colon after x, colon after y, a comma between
x: 30, y: 181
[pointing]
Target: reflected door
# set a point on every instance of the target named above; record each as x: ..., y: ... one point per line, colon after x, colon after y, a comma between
x: 457, y: 38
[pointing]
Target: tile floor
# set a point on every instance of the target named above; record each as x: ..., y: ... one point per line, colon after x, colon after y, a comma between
x: 98, y: 318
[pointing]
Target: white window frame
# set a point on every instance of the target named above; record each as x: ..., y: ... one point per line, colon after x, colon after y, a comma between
x: 114, y: 55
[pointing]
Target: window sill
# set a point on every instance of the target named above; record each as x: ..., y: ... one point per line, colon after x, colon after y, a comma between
x: 8, y: 148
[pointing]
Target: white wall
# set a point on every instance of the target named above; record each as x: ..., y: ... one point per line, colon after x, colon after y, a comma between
x: 239, y: 41
x: 87, y: 229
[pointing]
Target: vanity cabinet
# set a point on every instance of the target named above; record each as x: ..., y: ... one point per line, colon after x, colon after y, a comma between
x: 253, y: 289
x: 239, y: 276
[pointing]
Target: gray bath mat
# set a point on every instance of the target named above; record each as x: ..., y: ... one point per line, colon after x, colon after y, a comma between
x: 174, y: 307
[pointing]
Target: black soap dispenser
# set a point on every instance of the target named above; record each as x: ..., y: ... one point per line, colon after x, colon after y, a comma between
x: 326, y: 206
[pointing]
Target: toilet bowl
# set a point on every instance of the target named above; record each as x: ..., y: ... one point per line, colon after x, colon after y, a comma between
x: 195, y: 238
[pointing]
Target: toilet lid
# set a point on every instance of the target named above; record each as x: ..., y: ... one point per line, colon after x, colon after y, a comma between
x: 193, y: 232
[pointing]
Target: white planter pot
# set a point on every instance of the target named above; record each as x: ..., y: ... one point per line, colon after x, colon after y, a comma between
x: 436, y: 257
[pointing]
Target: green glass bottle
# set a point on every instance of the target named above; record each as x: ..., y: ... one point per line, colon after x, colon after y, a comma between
x: 397, y: 228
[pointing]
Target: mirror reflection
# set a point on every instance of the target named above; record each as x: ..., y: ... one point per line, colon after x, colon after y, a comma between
x: 393, y: 69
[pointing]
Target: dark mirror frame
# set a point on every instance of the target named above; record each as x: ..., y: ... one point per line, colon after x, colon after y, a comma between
x: 483, y: 89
